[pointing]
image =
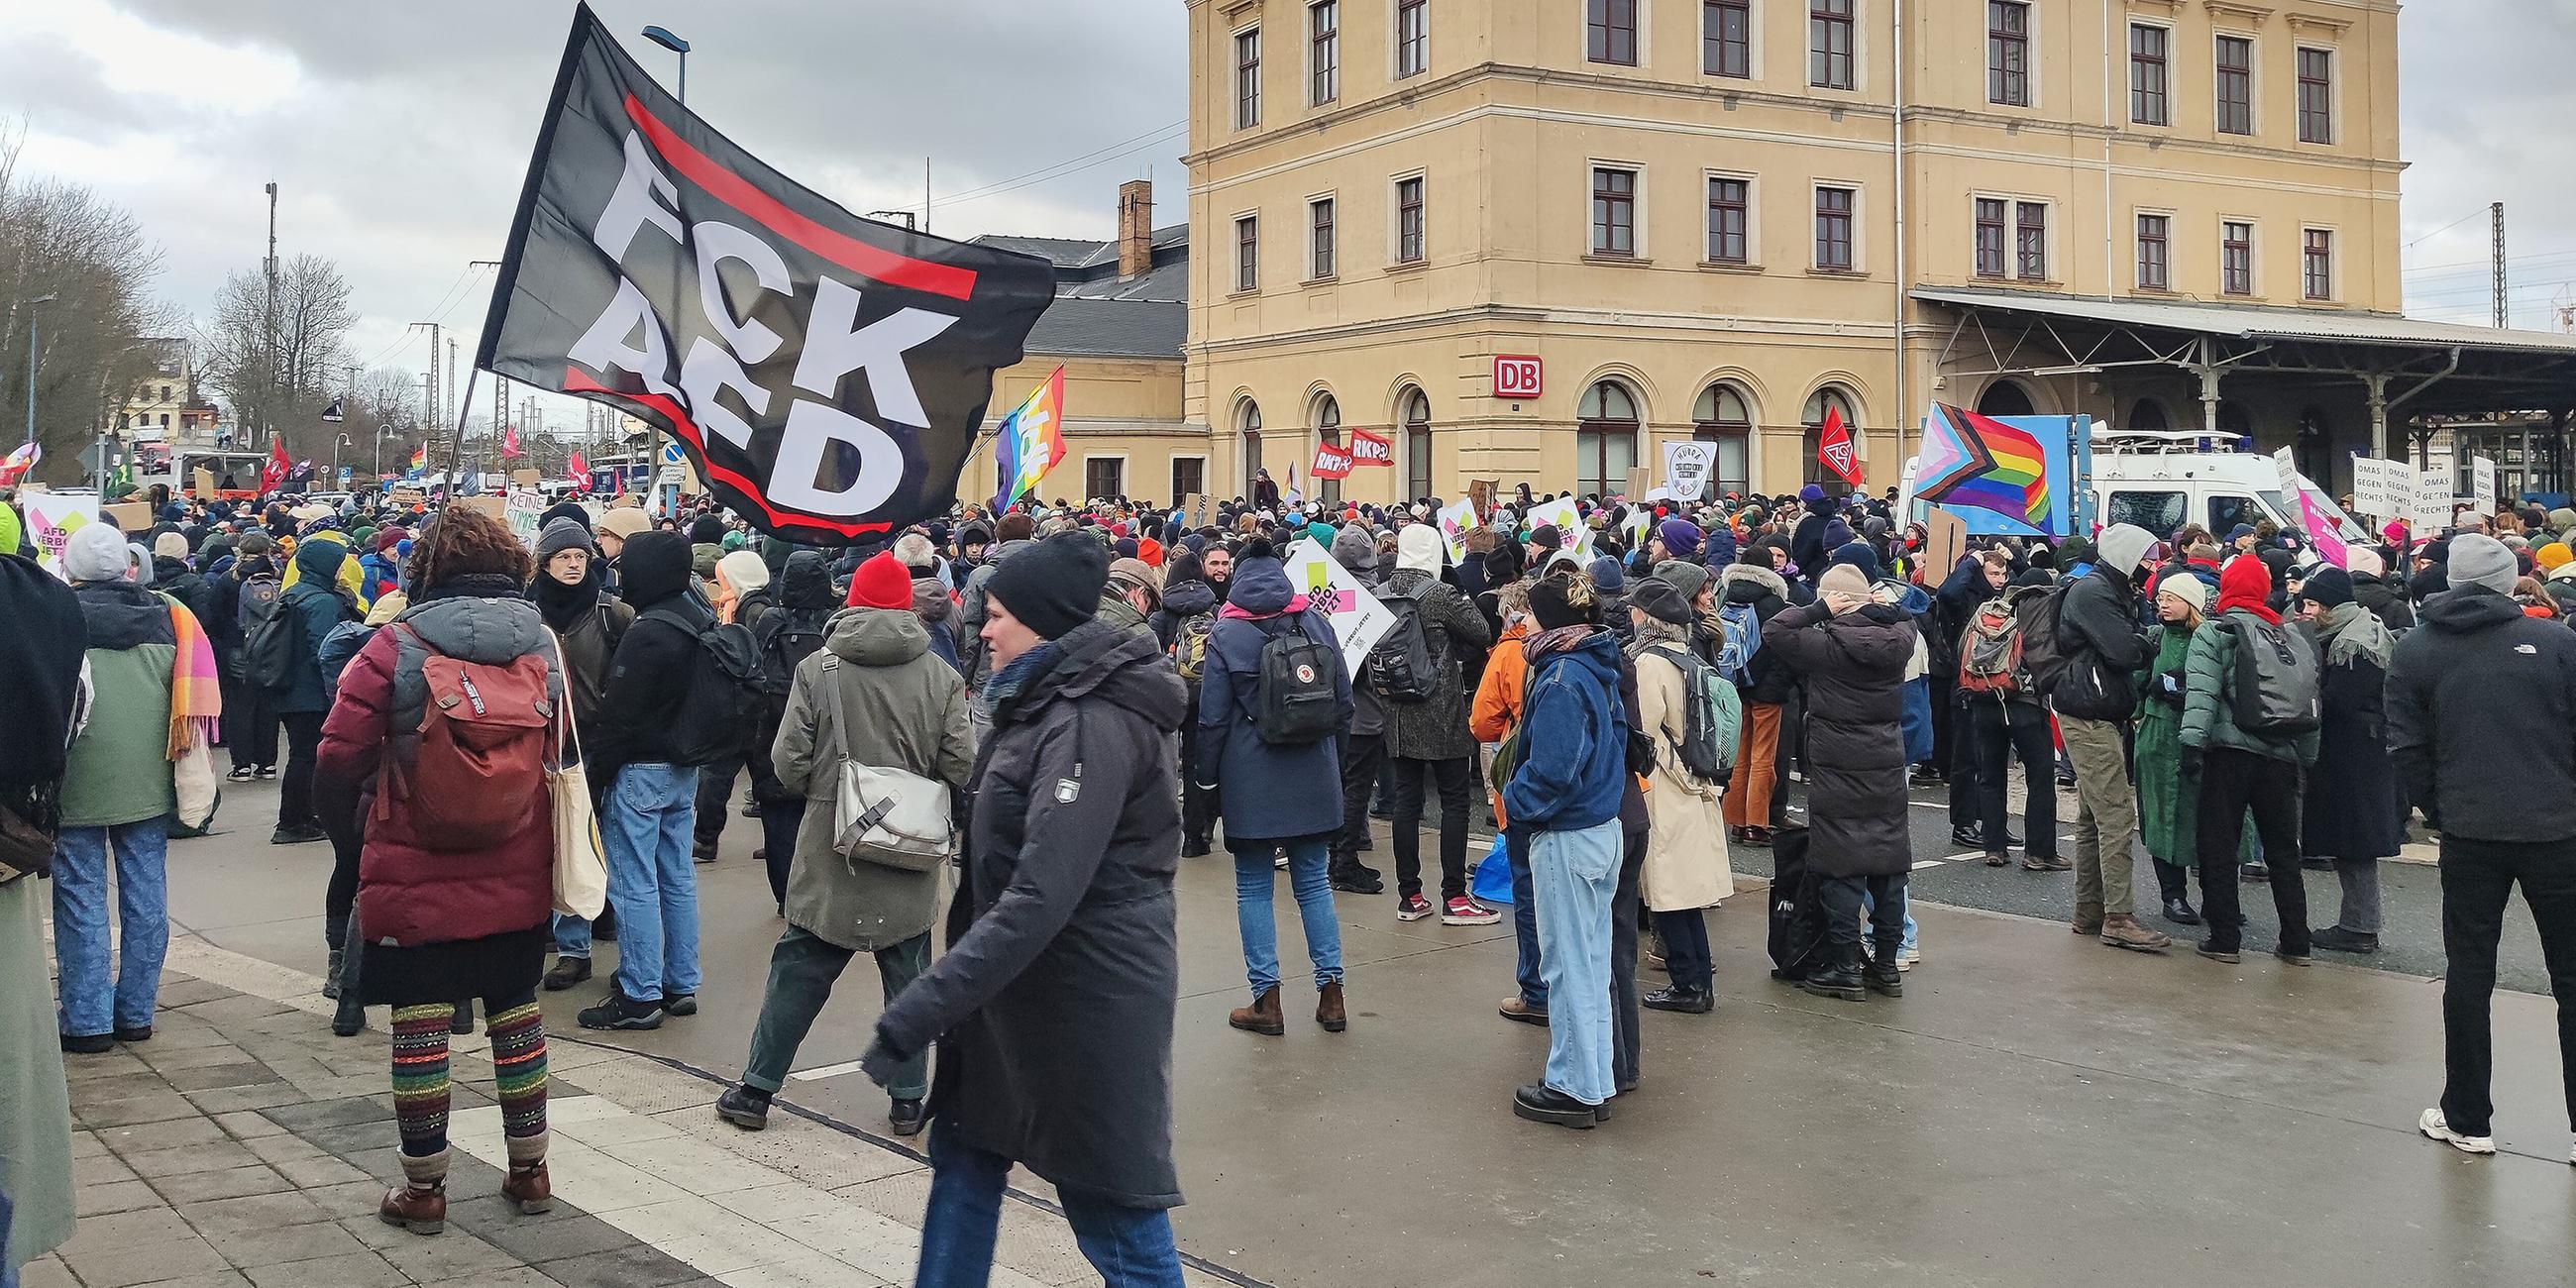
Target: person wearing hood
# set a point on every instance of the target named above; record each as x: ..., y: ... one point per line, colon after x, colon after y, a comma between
x: 2379, y: 593
x: 2094, y: 694
x: 1851, y: 650
x: 793, y: 629
x: 317, y: 602
x: 1610, y: 596
x: 1686, y: 869
x: 1748, y: 596
x: 739, y: 593
x: 1364, y: 748
x: 569, y: 592
x: 1569, y: 799
x: 117, y: 793
x: 872, y: 695
x: 974, y: 541
x: 1427, y: 740
x: 1298, y: 810
x: 2480, y: 703
x: 2243, y: 770
x: 380, y: 571
x: 1182, y: 622
x: 1809, y: 545
x: 1014, y: 533
x: 2351, y: 811
x: 931, y: 601
x: 442, y: 917
x: 1053, y: 1005
x: 647, y: 798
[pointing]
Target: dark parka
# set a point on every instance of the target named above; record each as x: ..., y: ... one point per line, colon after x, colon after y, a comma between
x: 318, y: 604
x: 2209, y: 695
x: 1053, y: 1004
x: 1852, y: 668
x: 1436, y: 728
x: 1300, y: 788
x: 2351, y: 809
x: 2098, y: 635
x: 2482, y: 719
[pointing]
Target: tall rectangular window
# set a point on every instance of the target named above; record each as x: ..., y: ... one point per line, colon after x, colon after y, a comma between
x: 1834, y: 229
x: 1412, y: 37
x: 1319, y: 238
x: 2030, y: 241
x: 1610, y: 31
x: 1247, y: 78
x: 1990, y: 237
x: 2147, y: 69
x: 1408, y: 221
x: 1247, y: 253
x: 2236, y: 258
x: 1829, y: 43
x: 1729, y: 221
x: 2155, y: 260
x: 1323, y: 51
x: 2316, y: 96
x: 1614, y: 211
x: 2008, y: 53
x: 2316, y: 265
x: 2235, y: 85
x: 1726, y: 37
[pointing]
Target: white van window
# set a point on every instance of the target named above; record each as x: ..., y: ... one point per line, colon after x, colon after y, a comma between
x: 2225, y: 512
x: 2157, y: 512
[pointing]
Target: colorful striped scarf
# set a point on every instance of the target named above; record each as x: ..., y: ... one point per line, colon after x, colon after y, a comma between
x: 196, y: 695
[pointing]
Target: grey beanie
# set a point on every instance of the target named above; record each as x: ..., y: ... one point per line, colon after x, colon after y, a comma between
x: 2478, y: 558
x: 1684, y: 575
x: 95, y: 552
x: 559, y: 536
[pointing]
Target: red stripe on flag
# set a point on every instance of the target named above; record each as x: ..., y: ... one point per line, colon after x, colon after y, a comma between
x: 849, y: 252
x: 577, y: 381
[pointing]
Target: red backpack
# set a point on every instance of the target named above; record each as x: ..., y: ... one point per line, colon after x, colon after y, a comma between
x: 479, y: 770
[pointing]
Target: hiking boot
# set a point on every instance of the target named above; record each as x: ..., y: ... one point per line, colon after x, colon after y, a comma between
x: 1262, y: 1016
x: 1194, y: 847
x: 1997, y: 858
x: 299, y: 834
x: 906, y: 1117
x: 1330, y: 1010
x: 1463, y: 911
x: 1412, y: 907
x: 2088, y: 921
x: 680, y: 1003
x: 1357, y: 879
x: 1883, y: 975
x: 1679, y: 1000
x: 744, y: 1107
x: 1834, y: 981
x: 331, y: 975
x: 136, y: 1033
x: 566, y: 972
x: 2045, y: 863
x: 1541, y: 1103
x: 2336, y: 939
x: 89, y: 1043
x: 1514, y: 1008
x: 2433, y: 1126
x: 2209, y: 948
x: 618, y: 1011
x: 421, y: 1211
x: 529, y: 1189
x: 2179, y: 911
x: 2125, y: 932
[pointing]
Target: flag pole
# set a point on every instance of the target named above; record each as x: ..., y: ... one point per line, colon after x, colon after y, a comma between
x: 456, y: 445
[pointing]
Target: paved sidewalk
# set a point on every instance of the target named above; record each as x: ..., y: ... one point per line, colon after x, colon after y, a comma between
x: 245, y: 1147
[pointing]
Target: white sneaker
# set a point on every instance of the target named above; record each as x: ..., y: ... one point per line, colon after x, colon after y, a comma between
x: 1906, y: 957
x: 2431, y: 1125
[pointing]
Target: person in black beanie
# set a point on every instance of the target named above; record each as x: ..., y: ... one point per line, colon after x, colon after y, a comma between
x: 1053, y: 586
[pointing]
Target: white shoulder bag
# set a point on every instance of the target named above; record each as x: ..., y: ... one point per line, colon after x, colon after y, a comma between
x: 581, y: 870
x: 890, y: 817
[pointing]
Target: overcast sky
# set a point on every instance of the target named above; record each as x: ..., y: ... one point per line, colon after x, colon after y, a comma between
x: 399, y: 132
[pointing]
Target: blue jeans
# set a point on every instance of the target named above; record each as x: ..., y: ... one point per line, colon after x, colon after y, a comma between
x: 1308, y: 864
x: 652, y: 882
x: 1574, y: 874
x: 90, y: 1004
x: 1869, y: 908
x: 572, y: 934
x: 1524, y: 919
x: 1130, y: 1247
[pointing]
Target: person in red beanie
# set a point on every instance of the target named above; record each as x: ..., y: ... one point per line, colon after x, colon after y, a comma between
x: 881, y: 582
x: 1151, y: 551
x: 2243, y: 769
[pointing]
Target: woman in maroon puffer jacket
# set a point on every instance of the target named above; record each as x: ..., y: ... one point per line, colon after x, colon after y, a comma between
x: 442, y: 921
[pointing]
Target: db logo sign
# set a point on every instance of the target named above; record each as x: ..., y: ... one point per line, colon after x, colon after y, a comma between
x: 1517, y: 376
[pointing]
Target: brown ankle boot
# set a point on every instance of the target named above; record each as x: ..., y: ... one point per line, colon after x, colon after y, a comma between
x: 2125, y: 932
x: 1328, y: 1008
x: 1262, y: 1016
x: 529, y: 1188
x: 421, y: 1211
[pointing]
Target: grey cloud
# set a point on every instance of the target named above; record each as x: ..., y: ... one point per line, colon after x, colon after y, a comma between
x: 62, y: 90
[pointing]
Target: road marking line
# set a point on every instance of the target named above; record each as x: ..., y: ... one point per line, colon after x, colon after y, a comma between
x: 827, y: 1071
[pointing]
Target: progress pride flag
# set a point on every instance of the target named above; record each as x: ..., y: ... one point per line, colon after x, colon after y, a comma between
x: 827, y: 374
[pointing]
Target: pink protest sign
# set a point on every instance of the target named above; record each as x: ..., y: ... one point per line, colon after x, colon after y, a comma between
x: 2322, y: 531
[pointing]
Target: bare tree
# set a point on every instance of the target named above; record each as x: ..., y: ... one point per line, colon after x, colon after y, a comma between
x: 277, y: 362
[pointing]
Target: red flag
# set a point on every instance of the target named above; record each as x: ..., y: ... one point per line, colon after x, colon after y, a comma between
x: 509, y: 441
x: 579, y: 469
x: 273, y: 473
x: 1834, y: 448
x: 1371, y: 449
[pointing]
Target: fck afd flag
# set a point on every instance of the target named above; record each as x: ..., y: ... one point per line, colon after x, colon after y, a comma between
x: 826, y: 374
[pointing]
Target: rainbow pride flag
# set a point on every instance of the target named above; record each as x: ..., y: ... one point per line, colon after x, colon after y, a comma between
x: 1031, y: 441
x: 420, y: 458
x: 1982, y: 463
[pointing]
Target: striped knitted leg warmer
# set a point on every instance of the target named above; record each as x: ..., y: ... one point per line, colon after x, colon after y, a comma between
x: 518, y: 1035
x: 420, y: 1091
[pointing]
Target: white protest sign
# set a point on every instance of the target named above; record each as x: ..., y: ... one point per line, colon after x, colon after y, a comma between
x: 1686, y: 467
x: 1569, y: 524
x: 51, y: 520
x: 2286, y: 465
x: 1456, y: 521
x: 1635, y: 525
x: 2372, y: 493
x: 2482, y: 483
x: 522, y: 510
x: 1359, y: 620
x: 2432, y: 503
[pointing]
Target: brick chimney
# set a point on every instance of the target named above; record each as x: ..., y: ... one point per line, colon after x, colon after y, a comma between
x: 1135, y: 227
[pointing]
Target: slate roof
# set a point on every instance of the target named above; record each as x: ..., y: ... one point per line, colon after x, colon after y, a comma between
x: 1078, y: 327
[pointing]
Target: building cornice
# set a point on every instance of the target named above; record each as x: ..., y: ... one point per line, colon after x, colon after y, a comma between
x: 1538, y: 321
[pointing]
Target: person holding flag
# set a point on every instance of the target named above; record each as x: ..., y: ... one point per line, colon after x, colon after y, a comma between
x: 1030, y: 442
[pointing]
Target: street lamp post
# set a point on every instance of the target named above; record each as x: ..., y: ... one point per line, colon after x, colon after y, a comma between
x: 335, y: 459
x: 663, y: 36
x: 46, y: 298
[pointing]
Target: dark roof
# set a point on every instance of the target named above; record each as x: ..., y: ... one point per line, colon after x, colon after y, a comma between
x: 1168, y: 282
x: 1089, y: 269
x: 1111, y: 328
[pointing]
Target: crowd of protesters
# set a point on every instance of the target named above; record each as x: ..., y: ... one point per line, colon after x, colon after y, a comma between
x: 1079, y: 695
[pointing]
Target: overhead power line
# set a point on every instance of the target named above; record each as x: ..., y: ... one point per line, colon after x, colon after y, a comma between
x: 1071, y: 166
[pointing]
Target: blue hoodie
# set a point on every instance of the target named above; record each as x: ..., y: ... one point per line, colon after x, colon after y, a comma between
x: 1289, y: 791
x: 1577, y: 730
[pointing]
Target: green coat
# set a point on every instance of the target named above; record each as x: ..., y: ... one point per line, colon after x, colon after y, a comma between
x: 35, y: 1114
x: 2208, y: 714
x: 2168, y: 802
x: 119, y: 767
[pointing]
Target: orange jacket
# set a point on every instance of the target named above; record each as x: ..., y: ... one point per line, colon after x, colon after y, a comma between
x: 1497, y: 708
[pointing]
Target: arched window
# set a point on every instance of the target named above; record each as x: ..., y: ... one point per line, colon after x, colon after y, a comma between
x: 1248, y: 423
x: 2004, y: 398
x: 1812, y: 443
x: 1328, y: 429
x: 1417, y: 445
x: 1724, y: 416
x: 2314, y: 449
x: 2149, y: 416
x: 1605, y: 438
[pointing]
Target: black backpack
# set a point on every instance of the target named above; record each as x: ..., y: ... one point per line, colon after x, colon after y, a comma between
x: 2278, y: 692
x: 1797, y: 908
x: 720, y: 712
x: 1294, y: 702
x: 270, y: 631
x: 787, y: 636
x: 1401, y: 667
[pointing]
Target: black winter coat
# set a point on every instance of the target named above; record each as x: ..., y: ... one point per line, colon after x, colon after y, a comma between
x: 1436, y: 729
x: 2482, y: 719
x: 1053, y: 1005
x: 1852, y: 668
x: 2384, y: 598
x: 2097, y: 631
x: 654, y: 663
x: 2350, y: 810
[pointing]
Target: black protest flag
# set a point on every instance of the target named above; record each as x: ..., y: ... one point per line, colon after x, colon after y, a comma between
x: 827, y: 374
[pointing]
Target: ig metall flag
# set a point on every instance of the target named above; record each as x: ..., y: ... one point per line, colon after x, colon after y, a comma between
x: 825, y: 373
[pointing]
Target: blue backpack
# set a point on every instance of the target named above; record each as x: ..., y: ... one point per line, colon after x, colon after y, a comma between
x: 1742, y: 639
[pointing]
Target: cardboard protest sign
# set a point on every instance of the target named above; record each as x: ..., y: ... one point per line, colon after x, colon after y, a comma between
x: 522, y: 509
x: 485, y: 505
x: 1945, y: 541
x: 527, y: 478
x: 130, y: 517
x: 1359, y: 619
x: 1481, y: 492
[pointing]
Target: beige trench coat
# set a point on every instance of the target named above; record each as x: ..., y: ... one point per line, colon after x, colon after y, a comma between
x: 1686, y: 859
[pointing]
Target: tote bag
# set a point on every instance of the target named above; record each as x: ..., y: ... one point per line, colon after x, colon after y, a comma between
x: 581, y: 870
